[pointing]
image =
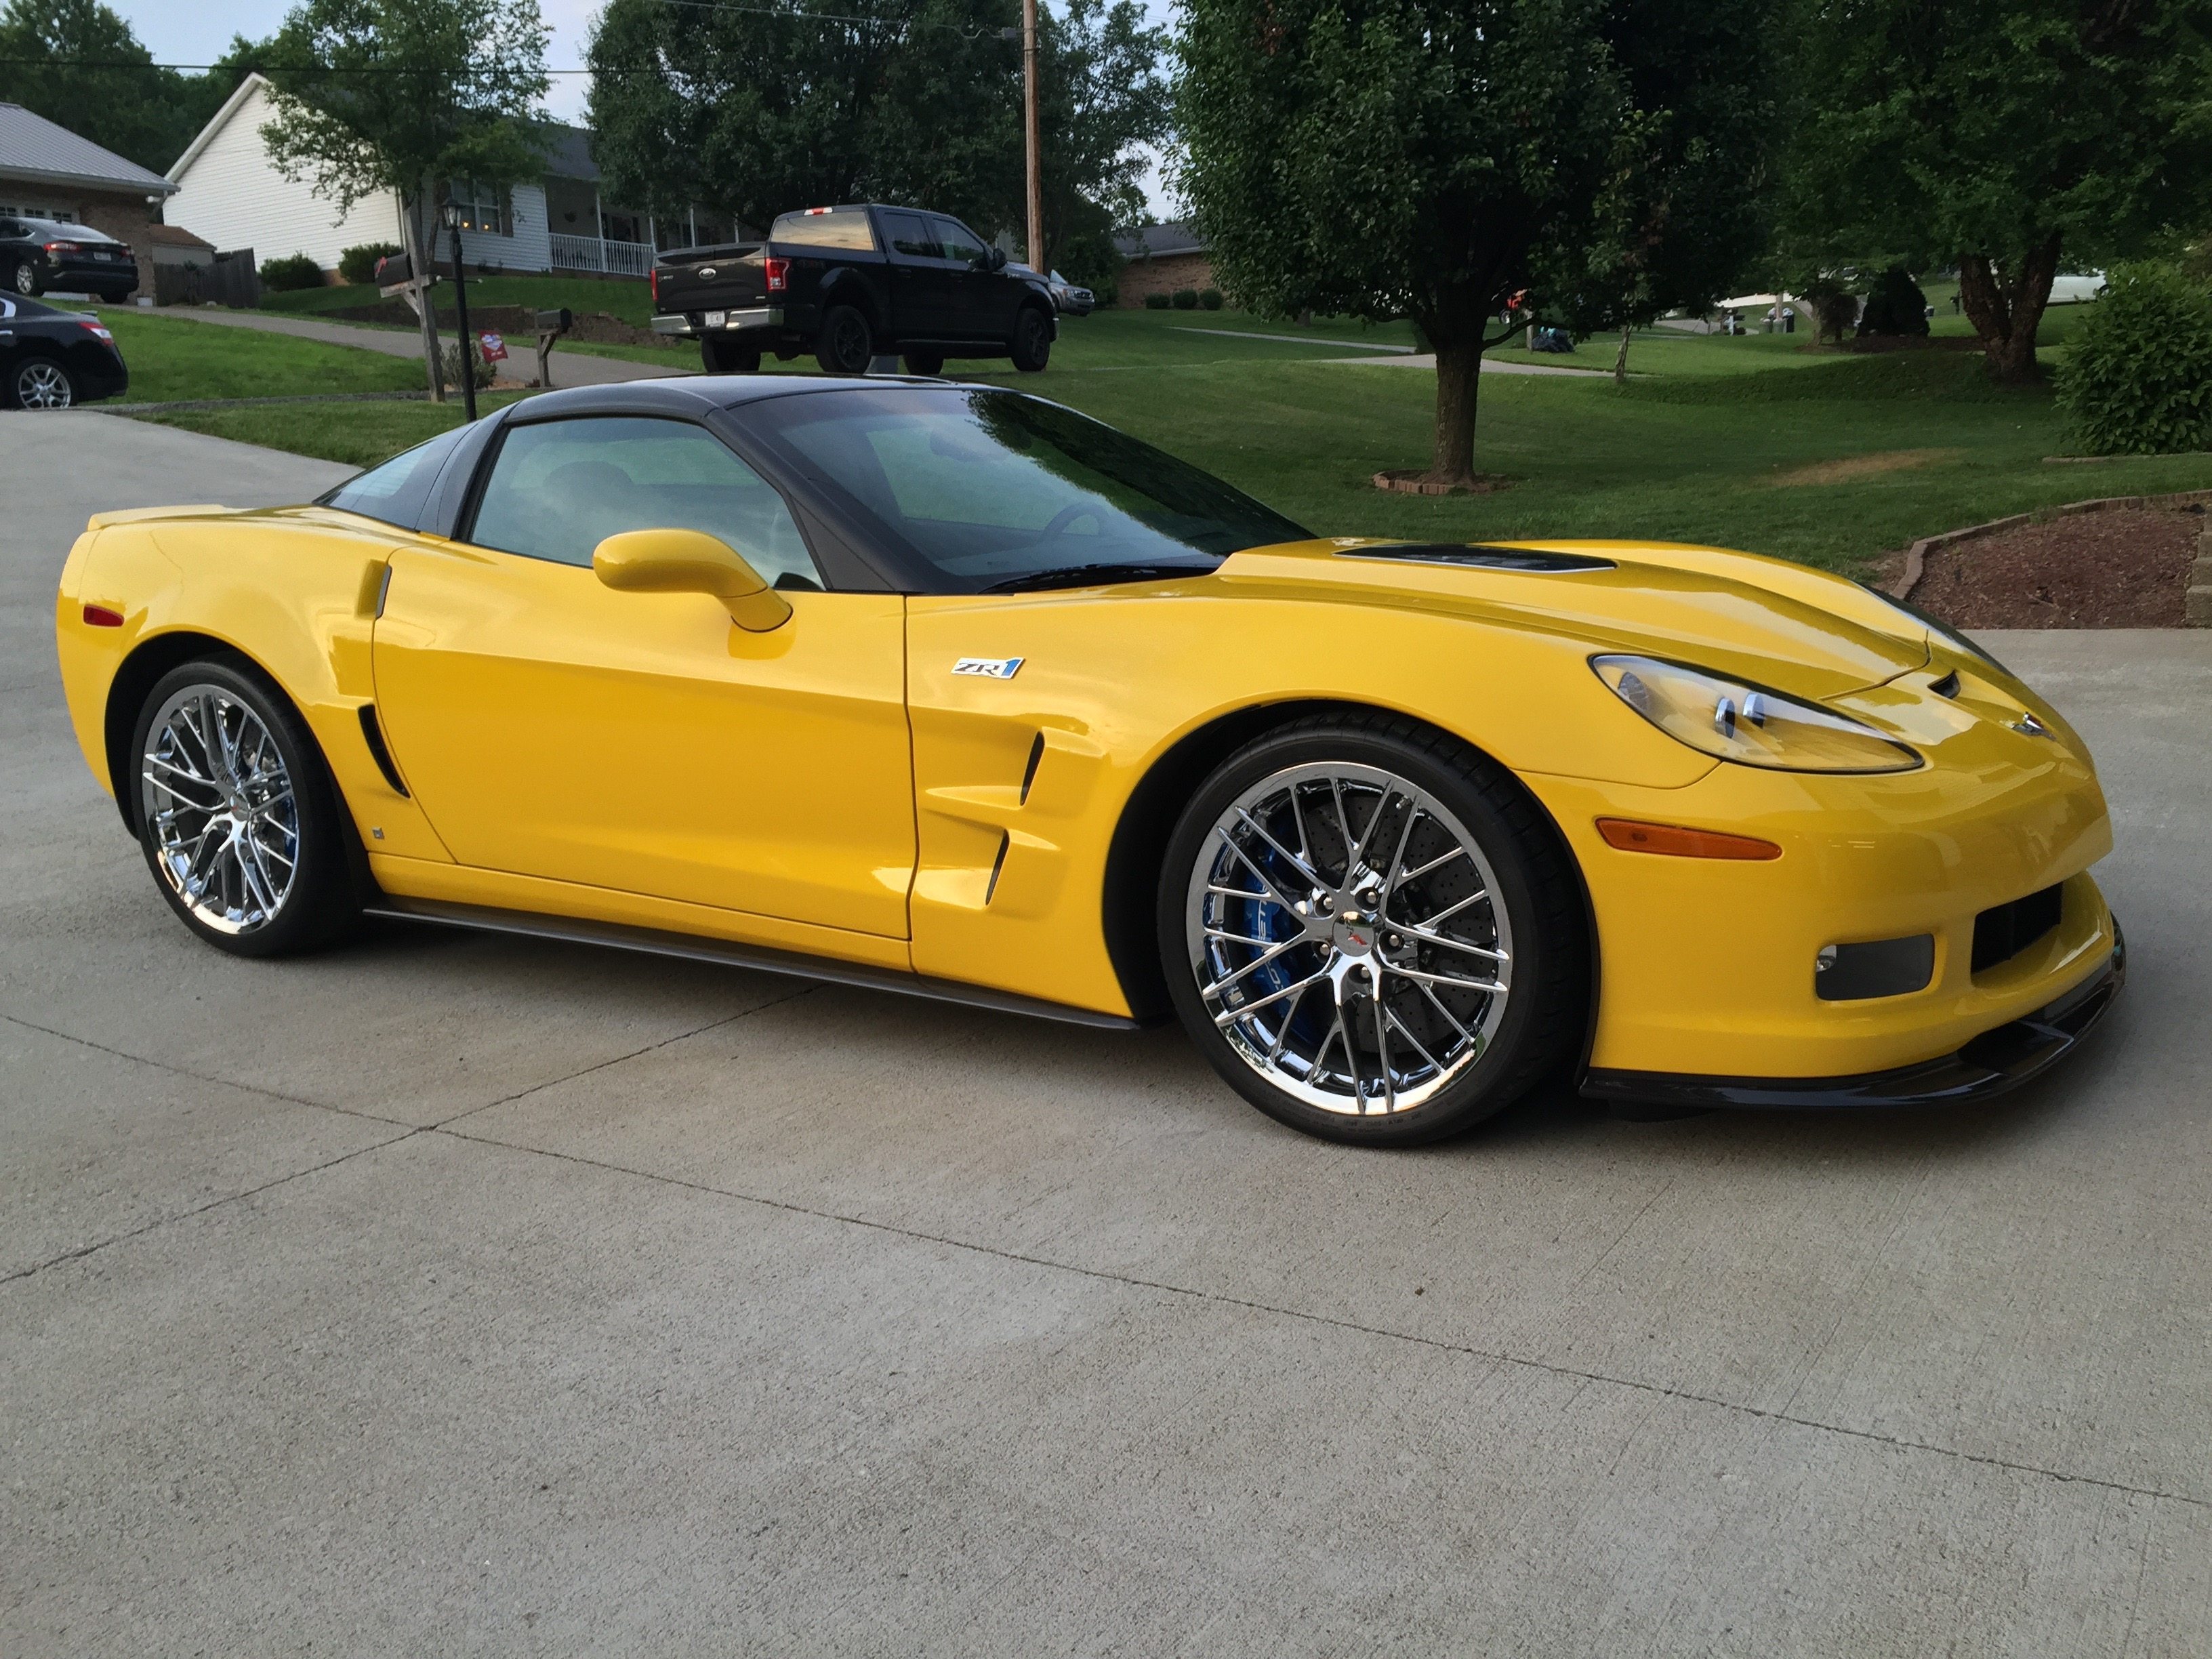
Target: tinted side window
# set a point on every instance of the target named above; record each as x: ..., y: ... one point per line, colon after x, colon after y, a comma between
x: 910, y: 239
x: 558, y: 488
x: 396, y: 492
x: 958, y: 240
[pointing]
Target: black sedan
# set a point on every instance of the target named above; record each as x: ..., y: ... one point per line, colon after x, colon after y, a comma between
x: 52, y: 359
x: 37, y: 255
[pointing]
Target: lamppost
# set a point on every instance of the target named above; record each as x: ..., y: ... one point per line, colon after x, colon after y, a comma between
x: 450, y: 215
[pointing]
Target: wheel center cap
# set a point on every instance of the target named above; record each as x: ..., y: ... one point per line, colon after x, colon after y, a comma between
x: 1353, y: 933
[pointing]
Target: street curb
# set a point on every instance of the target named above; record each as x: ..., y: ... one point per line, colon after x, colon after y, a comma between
x: 2198, y: 604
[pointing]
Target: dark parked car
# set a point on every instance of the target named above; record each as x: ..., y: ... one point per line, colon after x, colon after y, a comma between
x: 51, y: 358
x: 852, y: 283
x: 38, y: 254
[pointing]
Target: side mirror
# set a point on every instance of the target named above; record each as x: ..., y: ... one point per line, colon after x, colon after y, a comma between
x: 998, y: 259
x: 690, y: 562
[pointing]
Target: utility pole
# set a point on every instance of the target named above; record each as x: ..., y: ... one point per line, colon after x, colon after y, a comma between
x: 1030, y: 127
x: 461, y: 316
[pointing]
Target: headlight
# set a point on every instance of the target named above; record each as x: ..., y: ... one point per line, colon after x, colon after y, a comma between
x: 1747, y: 724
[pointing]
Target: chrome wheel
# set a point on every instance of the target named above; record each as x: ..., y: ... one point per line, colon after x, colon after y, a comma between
x: 218, y: 801
x: 42, y: 384
x: 27, y: 280
x: 1344, y: 929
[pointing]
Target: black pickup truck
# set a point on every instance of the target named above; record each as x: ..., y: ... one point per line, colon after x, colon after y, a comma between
x: 852, y: 283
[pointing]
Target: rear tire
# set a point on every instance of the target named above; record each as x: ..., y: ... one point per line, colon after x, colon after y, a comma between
x: 1031, y: 348
x: 727, y: 356
x: 39, y: 382
x: 846, y: 346
x: 1433, y: 920
x: 24, y: 280
x: 231, y: 789
x: 925, y: 362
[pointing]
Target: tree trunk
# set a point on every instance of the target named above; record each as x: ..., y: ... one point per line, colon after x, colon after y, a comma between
x: 1620, y: 363
x: 2006, y: 311
x: 419, y: 256
x: 1459, y: 383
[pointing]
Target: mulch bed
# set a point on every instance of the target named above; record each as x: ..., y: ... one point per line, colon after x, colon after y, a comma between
x: 2127, y: 568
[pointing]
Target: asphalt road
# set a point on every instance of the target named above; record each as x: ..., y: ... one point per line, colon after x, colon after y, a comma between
x: 452, y: 1295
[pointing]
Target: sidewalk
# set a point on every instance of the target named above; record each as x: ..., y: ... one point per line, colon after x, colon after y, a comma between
x: 569, y: 368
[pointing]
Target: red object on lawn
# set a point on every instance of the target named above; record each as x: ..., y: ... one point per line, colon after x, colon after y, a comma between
x: 494, y: 348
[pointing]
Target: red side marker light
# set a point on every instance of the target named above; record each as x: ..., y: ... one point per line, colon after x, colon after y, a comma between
x: 1630, y: 836
x: 99, y: 616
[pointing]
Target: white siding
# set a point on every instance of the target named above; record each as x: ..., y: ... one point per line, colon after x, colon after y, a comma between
x: 233, y: 196
x: 529, y: 247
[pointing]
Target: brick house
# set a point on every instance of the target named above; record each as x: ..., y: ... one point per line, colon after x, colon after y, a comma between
x: 1160, y: 259
x: 47, y: 172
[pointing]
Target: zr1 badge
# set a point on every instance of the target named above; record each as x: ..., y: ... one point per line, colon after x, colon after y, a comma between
x: 991, y: 668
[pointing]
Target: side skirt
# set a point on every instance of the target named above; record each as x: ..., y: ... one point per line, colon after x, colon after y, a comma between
x: 696, y: 948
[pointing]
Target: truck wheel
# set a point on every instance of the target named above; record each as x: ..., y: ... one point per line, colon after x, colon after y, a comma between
x: 1032, y: 342
x: 847, y: 345
x: 727, y: 356
x: 925, y: 362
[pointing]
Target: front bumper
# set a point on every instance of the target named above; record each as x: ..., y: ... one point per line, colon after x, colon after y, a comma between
x: 1993, y: 1063
x: 689, y: 324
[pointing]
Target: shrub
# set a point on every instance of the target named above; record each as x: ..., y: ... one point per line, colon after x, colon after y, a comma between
x: 296, y: 270
x: 449, y: 365
x: 1209, y: 298
x: 1895, y: 305
x: 1834, y: 307
x: 2137, y: 380
x: 1186, y: 299
x: 1156, y: 302
x: 358, y: 264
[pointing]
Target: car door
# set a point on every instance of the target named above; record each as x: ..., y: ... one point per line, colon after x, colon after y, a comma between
x: 922, y: 284
x: 551, y: 726
x: 981, y: 304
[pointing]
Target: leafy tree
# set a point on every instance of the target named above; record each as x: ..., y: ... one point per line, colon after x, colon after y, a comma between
x: 1434, y: 158
x: 1683, y: 211
x: 397, y: 94
x: 914, y: 101
x: 2003, y: 134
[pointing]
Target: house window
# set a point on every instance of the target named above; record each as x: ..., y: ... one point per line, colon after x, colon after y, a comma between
x: 482, y: 207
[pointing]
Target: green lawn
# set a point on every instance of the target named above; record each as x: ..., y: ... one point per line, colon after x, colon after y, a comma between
x: 174, y: 358
x: 1755, y: 442
x: 360, y: 435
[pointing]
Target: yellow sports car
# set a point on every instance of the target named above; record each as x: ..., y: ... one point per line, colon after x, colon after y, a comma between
x: 951, y: 690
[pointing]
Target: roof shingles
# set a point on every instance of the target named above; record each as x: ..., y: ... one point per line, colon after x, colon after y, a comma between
x: 32, y: 147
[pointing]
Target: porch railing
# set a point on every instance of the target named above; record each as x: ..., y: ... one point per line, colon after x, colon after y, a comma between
x: 598, y: 253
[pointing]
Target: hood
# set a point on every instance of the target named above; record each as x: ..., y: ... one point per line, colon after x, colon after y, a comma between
x: 1766, y: 621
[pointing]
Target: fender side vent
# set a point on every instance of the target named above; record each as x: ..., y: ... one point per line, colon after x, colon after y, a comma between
x: 1028, y: 773
x: 372, y: 735
x: 996, y: 865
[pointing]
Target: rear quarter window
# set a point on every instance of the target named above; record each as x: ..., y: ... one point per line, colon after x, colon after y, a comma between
x: 396, y: 492
x: 846, y: 229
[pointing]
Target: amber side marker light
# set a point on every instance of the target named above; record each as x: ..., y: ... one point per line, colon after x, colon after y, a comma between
x: 1630, y: 836
x: 99, y: 616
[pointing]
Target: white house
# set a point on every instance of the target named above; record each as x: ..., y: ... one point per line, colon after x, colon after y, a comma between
x: 231, y: 193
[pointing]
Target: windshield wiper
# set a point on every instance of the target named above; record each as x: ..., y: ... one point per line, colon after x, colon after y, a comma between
x: 1084, y: 575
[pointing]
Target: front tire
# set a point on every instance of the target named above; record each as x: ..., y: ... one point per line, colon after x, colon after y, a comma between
x: 1371, y: 932
x: 1031, y: 348
x: 26, y: 280
x: 846, y: 346
x: 41, y: 383
x: 727, y: 356
x: 237, y: 817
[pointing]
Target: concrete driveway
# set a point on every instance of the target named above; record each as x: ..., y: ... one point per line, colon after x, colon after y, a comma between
x: 453, y: 1295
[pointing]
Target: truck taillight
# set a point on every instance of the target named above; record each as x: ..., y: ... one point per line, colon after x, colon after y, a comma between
x: 778, y: 272
x: 652, y: 277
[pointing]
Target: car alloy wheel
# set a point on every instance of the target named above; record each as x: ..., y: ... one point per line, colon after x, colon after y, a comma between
x: 1345, y: 937
x: 221, y: 809
x: 27, y: 280
x: 42, y: 383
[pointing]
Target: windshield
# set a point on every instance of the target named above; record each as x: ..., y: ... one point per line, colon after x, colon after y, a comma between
x: 994, y: 488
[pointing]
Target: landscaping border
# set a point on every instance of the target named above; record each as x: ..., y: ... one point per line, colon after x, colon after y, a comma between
x: 2196, y: 609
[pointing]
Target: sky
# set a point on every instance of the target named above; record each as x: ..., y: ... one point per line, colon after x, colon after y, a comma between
x: 196, y: 31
